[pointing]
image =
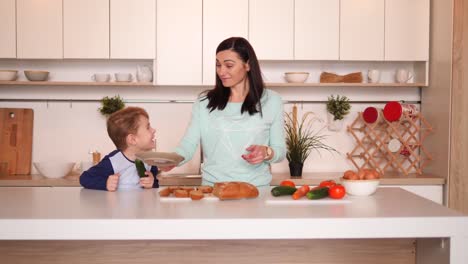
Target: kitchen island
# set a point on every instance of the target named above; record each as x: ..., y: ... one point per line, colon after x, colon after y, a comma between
x: 41, y: 224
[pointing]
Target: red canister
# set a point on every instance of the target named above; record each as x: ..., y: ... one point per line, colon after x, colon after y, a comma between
x: 392, y: 111
x: 370, y: 115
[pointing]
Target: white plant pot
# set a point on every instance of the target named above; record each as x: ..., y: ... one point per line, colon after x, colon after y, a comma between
x: 334, y: 125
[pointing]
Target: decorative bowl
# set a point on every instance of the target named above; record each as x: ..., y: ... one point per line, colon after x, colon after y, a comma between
x: 8, y: 75
x: 36, y: 76
x: 296, y: 77
x: 54, y: 169
x: 360, y: 187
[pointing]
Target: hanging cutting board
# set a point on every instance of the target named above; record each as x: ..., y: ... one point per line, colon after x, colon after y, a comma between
x: 16, y: 126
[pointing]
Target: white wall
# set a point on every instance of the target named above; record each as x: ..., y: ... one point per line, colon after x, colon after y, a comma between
x: 67, y: 131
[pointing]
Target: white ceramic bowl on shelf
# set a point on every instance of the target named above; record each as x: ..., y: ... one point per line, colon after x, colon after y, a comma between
x: 296, y: 77
x: 360, y: 187
x: 36, y: 76
x: 54, y: 169
x: 8, y: 75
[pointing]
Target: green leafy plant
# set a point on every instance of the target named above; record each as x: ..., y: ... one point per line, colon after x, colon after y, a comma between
x: 111, y: 105
x: 301, y: 138
x: 338, y: 107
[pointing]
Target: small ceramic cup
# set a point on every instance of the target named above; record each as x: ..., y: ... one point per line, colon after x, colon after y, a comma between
x: 101, y: 77
x: 373, y: 76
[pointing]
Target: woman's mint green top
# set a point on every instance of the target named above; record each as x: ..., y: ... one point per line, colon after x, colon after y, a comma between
x: 226, y: 134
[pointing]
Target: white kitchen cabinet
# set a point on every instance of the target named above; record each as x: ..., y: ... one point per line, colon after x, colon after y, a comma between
x: 407, y: 30
x: 271, y: 29
x: 133, y: 29
x: 179, y: 42
x: 8, y: 29
x: 39, y: 29
x: 221, y: 19
x: 316, y: 29
x: 86, y: 29
x: 362, y: 30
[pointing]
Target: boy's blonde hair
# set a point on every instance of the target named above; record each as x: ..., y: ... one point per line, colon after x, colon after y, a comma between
x: 122, y: 123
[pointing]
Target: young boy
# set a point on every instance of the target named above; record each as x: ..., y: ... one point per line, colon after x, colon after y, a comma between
x: 131, y: 133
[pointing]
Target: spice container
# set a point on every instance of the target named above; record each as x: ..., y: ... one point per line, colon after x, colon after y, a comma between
x: 96, y: 157
x: 372, y: 115
x: 392, y: 111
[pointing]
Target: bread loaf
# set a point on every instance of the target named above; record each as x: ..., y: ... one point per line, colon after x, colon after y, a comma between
x: 234, y: 190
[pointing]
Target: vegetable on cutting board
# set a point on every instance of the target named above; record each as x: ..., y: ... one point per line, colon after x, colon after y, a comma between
x: 301, y: 192
x: 317, y: 193
x: 283, y: 190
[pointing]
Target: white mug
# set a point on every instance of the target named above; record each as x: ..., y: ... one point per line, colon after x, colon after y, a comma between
x: 403, y: 76
x: 123, y: 77
x: 373, y: 76
x: 101, y: 77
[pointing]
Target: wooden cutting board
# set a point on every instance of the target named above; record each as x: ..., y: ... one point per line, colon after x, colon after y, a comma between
x: 16, y: 126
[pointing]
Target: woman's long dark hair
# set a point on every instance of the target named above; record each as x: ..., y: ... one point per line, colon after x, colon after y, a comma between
x: 218, y: 97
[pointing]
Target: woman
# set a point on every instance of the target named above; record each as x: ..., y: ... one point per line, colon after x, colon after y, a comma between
x: 239, y: 123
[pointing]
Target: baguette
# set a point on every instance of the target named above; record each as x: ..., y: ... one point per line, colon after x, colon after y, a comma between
x: 234, y: 190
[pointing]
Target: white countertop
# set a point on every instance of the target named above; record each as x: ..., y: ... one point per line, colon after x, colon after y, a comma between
x: 75, y: 213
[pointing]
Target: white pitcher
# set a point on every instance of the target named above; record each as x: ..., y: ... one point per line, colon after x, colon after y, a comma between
x: 144, y: 73
x: 403, y: 75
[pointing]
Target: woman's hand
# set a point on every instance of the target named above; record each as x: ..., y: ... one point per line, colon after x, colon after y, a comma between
x: 113, y: 182
x: 147, y: 182
x: 257, y: 154
x: 166, y: 169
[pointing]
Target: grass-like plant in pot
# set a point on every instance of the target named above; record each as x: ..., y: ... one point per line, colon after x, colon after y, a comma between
x: 301, y: 139
x: 337, y: 108
x: 111, y: 105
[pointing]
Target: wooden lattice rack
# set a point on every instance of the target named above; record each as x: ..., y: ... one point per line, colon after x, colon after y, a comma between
x: 372, y: 150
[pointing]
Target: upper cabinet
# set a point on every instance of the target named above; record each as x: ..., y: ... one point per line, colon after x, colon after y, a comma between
x: 8, y: 28
x: 39, y: 29
x: 407, y: 30
x: 271, y: 29
x: 316, y: 29
x: 133, y: 29
x: 219, y: 25
x: 182, y: 36
x: 362, y: 29
x: 86, y: 29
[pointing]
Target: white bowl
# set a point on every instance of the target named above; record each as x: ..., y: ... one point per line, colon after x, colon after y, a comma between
x: 296, y: 77
x: 8, y: 75
x: 360, y: 187
x: 36, y: 76
x: 54, y: 169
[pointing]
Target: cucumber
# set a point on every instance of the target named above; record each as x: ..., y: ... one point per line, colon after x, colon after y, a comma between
x: 282, y: 190
x: 317, y: 193
x: 140, y: 168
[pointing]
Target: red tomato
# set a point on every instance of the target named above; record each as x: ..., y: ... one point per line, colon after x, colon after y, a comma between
x: 337, y: 192
x: 329, y: 183
x: 288, y: 183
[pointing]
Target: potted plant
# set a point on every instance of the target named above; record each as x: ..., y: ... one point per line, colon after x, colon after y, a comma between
x: 111, y: 105
x: 337, y: 109
x: 301, y: 139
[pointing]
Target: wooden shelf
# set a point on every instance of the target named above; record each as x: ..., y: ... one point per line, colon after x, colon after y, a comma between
x: 346, y: 84
x: 28, y: 83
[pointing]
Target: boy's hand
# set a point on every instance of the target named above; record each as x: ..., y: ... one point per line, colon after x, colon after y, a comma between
x: 147, y: 182
x: 113, y: 182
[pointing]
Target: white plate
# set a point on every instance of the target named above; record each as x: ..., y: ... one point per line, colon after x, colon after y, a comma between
x: 160, y: 159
